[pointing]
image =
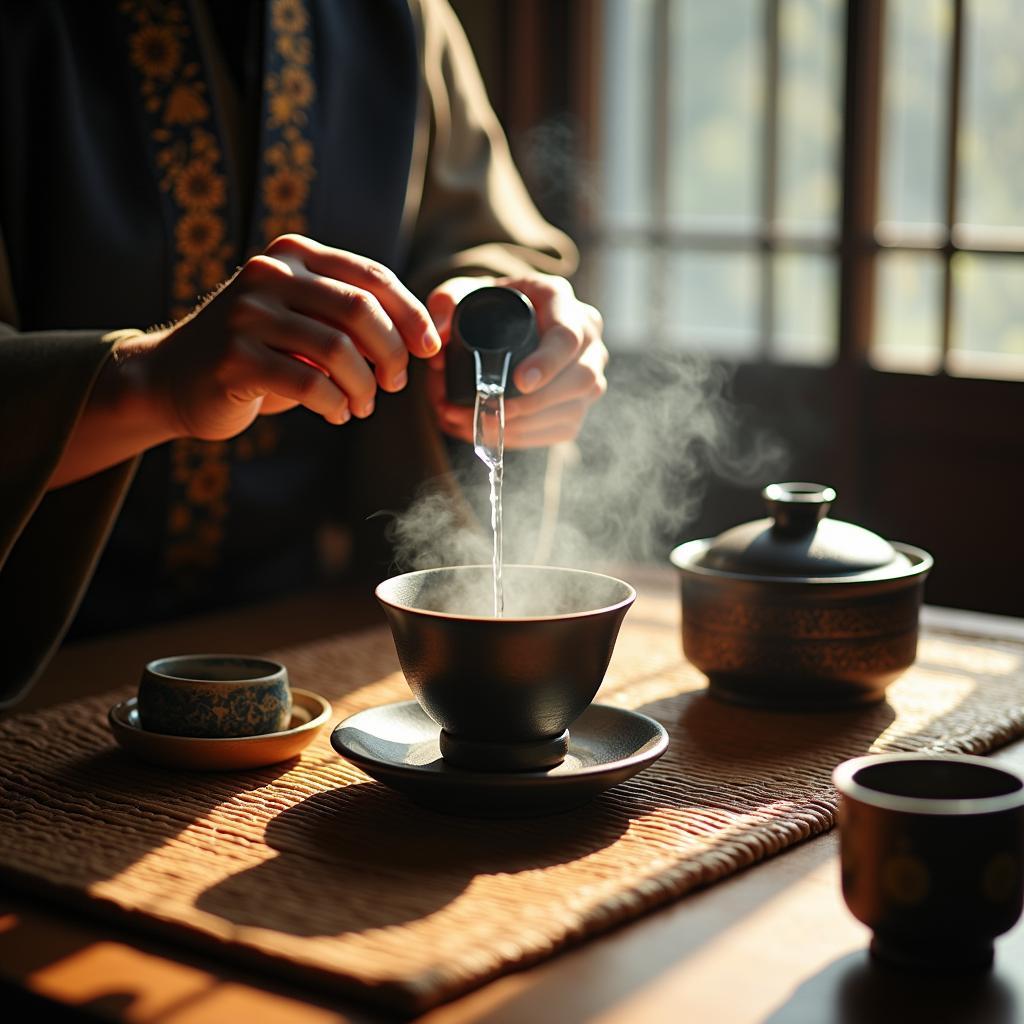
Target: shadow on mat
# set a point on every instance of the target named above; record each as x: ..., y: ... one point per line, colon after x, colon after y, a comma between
x: 362, y: 857
x: 110, y: 810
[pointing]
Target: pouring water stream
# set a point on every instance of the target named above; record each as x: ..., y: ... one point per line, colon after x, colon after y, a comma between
x: 489, y: 446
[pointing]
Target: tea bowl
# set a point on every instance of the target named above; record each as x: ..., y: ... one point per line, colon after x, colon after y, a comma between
x: 932, y: 855
x: 504, y: 690
x: 214, y: 696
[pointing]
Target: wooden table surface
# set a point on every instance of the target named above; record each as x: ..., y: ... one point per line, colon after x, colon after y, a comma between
x: 772, y: 945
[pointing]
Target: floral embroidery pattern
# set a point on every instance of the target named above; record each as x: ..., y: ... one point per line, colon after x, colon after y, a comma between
x: 188, y: 157
x: 189, y: 164
x: 290, y: 91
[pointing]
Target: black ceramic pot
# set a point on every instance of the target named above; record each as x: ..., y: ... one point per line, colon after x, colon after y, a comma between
x: 504, y: 690
x: 932, y: 852
x: 798, y: 610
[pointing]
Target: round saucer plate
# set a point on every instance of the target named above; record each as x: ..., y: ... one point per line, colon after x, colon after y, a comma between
x: 309, y: 714
x: 397, y: 744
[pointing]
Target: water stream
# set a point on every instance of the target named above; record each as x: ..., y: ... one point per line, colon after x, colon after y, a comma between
x: 489, y: 445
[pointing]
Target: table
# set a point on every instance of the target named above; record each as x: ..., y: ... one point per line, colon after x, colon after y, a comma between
x: 772, y: 945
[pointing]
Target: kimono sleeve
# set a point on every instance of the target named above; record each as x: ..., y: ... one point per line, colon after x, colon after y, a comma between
x: 474, y: 214
x: 49, y: 540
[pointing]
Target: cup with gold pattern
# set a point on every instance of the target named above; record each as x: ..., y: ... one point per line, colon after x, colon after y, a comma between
x: 932, y: 853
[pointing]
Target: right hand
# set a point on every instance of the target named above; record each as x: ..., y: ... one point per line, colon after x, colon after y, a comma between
x: 215, y: 371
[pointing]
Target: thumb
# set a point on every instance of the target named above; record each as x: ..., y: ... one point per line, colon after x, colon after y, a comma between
x: 445, y: 297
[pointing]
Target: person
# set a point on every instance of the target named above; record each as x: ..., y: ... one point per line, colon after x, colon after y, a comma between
x: 297, y: 193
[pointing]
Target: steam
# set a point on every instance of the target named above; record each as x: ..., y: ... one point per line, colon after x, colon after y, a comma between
x: 633, y: 483
x: 628, y: 490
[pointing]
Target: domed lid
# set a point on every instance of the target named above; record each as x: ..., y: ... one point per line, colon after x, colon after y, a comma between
x: 799, y: 541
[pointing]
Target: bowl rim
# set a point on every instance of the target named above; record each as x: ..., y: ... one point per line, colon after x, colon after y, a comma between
x: 426, y: 613
x: 921, y: 563
x: 844, y: 778
x: 160, y: 669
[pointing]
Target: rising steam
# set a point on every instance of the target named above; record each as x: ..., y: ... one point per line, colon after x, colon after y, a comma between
x: 628, y: 491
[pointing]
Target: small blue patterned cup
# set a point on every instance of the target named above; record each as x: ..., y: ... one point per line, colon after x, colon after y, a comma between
x: 215, y: 696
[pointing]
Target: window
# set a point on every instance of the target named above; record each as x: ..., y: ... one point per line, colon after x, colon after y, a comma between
x: 950, y: 278
x: 717, y: 221
x: 827, y: 193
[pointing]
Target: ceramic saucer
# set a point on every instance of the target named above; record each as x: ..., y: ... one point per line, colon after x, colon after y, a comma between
x: 397, y: 744
x: 309, y: 714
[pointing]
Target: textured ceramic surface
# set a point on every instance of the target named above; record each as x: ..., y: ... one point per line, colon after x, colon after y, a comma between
x: 214, y: 695
x: 505, y: 689
x: 397, y: 744
x: 798, y: 610
x: 798, y: 644
x: 932, y: 853
x: 309, y: 715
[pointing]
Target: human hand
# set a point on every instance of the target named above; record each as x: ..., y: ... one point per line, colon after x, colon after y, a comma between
x: 559, y: 381
x: 228, y: 362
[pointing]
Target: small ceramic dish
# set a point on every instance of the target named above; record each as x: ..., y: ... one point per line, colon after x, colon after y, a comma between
x: 310, y: 713
x: 398, y: 745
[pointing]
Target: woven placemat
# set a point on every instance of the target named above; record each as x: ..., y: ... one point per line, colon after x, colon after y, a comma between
x: 310, y: 871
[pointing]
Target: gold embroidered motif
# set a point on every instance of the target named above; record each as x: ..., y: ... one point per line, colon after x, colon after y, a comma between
x: 289, y: 17
x: 189, y: 164
x: 288, y: 163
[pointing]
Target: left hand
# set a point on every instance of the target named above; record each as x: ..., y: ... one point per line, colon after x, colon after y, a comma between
x: 559, y: 381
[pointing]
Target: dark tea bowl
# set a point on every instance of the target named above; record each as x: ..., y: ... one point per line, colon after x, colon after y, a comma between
x: 504, y: 690
x: 932, y: 854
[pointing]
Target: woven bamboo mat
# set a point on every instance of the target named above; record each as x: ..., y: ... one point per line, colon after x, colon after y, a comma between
x: 309, y: 871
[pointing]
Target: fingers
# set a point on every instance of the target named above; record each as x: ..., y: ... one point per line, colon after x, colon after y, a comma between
x: 558, y: 423
x: 442, y: 300
x: 441, y: 305
x: 265, y: 371
x: 565, y: 325
x: 559, y: 382
x: 343, y: 307
x: 582, y: 381
x: 406, y: 313
x: 287, y: 331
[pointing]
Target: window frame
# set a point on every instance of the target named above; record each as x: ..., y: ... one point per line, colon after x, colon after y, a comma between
x: 919, y: 457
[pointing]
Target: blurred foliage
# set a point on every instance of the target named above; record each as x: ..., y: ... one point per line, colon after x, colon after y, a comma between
x: 714, y: 156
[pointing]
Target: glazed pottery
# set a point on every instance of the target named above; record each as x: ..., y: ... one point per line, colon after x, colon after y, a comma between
x: 798, y: 610
x: 309, y: 715
x: 488, y: 324
x: 397, y: 744
x: 504, y: 690
x: 214, y: 695
x: 932, y: 853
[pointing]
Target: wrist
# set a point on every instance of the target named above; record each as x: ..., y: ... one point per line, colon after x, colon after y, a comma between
x: 129, y: 389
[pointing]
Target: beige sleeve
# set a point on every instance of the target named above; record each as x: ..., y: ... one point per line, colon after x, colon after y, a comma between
x: 470, y: 210
x: 49, y: 541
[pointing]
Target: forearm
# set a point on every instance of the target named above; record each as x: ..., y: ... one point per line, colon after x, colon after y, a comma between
x: 121, y: 419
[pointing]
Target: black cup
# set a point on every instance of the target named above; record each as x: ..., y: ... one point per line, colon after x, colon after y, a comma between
x: 504, y: 690
x: 932, y: 852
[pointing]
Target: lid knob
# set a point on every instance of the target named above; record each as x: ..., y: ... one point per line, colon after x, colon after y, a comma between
x: 797, y: 508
